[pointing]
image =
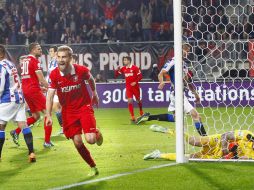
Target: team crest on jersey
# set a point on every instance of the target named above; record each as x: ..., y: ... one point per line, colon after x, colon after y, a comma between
x: 75, y: 78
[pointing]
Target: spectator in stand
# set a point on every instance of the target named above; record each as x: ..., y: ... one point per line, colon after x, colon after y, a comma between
x: 83, y: 34
x: 146, y: 16
x: 22, y: 35
x: 171, y: 32
x: 121, y: 33
x: 92, y: 20
x: 67, y: 35
x: 73, y: 26
x: 251, y: 16
x: 93, y: 7
x: 238, y: 34
x: 162, y: 34
x: 99, y: 78
x: 154, y: 74
x: 136, y: 33
x: 82, y: 20
x: 12, y: 36
x: 42, y: 36
x: 94, y: 34
x: 106, y: 33
x: 247, y: 27
x: 54, y: 16
x: 169, y: 12
x: 109, y: 11
x: 158, y: 11
x: 55, y: 34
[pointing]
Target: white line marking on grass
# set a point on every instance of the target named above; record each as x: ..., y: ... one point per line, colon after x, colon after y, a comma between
x: 113, y: 176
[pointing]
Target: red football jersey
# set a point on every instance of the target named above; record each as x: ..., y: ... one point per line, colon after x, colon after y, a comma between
x: 131, y: 74
x: 29, y: 66
x: 71, y: 89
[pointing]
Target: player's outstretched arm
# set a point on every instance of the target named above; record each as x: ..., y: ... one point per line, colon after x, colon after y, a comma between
x: 161, y: 79
x: 41, y: 78
x: 49, y: 105
x: 95, y: 98
x: 193, y: 90
x: 117, y: 72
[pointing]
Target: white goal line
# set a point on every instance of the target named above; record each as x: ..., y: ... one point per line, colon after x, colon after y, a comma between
x: 113, y: 176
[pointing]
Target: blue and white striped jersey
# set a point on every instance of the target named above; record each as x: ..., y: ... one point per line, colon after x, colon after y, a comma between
x: 51, y: 66
x: 169, y: 67
x: 10, y: 86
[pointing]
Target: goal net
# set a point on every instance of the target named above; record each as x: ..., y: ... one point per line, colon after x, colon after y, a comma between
x: 220, y: 34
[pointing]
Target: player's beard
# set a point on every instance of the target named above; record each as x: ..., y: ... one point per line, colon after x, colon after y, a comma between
x: 38, y: 55
x: 64, y: 67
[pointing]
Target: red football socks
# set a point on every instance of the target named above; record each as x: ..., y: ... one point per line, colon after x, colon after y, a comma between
x: 30, y: 120
x: 140, y: 108
x: 18, y: 130
x: 131, y: 110
x: 85, y: 154
x: 47, y: 130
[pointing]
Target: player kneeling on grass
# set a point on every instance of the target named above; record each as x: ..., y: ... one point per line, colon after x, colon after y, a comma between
x: 12, y: 105
x: 236, y: 144
x: 68, y: 80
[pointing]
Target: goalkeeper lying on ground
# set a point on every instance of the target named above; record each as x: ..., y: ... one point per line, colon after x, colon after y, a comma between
x: 238, y: 144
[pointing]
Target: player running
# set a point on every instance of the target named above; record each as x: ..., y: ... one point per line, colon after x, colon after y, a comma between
x: 68, y: 80
x: 32, y: 80
x: 132, y: 76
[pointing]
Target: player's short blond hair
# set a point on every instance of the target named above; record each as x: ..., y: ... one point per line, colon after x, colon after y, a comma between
x: 65, y: 48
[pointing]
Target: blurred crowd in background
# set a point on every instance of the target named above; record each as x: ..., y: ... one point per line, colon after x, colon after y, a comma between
x: 82, y: 21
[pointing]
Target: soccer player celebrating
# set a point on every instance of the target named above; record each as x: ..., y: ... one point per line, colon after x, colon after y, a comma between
x: 32, y: 80
x: 51, y: 66
x: 12, y: 104
x: 132, y: 76
x: 77, y: 112
x: 169, y: 68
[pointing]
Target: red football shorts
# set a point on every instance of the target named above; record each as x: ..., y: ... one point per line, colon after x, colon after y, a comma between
x: 82, y: 120
x: 35, y: 100
x: 133, y: 91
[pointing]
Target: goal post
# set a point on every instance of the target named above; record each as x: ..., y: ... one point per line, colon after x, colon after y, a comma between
x: 222, y: 52
x: 180, y: 158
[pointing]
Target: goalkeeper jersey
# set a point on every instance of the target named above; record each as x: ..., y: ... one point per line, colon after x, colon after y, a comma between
x: 245, y: 149
x: 242, y: 134
x: 211, y: 147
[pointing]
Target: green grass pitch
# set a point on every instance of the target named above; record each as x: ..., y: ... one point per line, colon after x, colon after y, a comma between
x: 124, y: 147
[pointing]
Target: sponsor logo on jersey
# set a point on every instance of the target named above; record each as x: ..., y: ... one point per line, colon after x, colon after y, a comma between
x: 70, y: 88
x: 128, y: 74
